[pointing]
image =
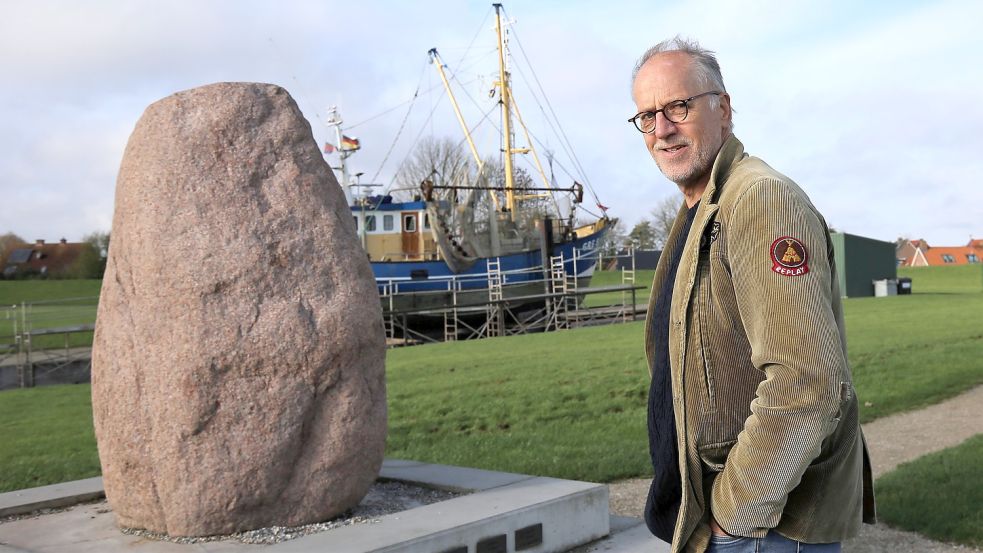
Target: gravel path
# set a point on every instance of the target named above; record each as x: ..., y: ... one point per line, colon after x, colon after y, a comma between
x: 907, y: 436
x: 892, y: 440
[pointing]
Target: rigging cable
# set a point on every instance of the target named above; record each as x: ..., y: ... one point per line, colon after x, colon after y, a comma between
x: 422, y: 129
x: 397, y: 106
x: 283, y: 60
x: 401, y: 126
x: 475, y: 37
x: 554, y: 122
x: 566, y: 148
x: 562, y: 133
x: 434, y: 106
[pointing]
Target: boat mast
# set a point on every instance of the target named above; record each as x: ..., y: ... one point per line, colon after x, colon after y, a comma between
x: 334, y: 120
x: 506, y: 99
x: 435, y: 59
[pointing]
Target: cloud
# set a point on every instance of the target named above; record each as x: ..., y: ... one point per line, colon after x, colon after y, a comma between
x: 870, y: 107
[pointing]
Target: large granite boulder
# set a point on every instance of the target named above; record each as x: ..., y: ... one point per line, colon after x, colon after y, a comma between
x: 238, y: 363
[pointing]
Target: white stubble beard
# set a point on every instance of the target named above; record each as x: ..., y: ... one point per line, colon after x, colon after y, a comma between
x: 702, y: 163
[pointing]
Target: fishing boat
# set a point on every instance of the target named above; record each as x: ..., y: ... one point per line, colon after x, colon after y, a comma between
x: 478, y: 240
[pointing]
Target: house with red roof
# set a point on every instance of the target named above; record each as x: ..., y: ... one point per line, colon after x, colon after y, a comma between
x: 41, y: 258
x: 911, y: 253
x: 917, y: 253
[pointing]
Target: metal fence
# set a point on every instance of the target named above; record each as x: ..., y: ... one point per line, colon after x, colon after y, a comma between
x: 46, y: 342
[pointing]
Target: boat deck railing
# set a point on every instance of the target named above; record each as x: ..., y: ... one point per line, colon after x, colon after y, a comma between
x: 448, y: 283
x: 516, y: 300
x: 493, y: 304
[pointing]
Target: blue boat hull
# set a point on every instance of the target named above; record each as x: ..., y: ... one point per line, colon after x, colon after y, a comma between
x: 401, y: 277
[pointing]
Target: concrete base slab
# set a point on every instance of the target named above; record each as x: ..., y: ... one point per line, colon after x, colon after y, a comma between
x: 505, y: 514
x: 50, y: 497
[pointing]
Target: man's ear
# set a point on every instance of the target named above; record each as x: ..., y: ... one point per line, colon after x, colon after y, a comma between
x: 728, y: 113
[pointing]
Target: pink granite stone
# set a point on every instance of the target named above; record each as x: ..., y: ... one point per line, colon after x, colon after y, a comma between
x: 238, y: 363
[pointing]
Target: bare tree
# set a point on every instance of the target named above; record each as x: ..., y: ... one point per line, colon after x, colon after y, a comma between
x: 663, y: 215
x: 615, y: 238
x: 443, y: 161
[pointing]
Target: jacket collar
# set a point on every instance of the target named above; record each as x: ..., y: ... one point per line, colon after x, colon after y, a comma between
x: 728, y: 157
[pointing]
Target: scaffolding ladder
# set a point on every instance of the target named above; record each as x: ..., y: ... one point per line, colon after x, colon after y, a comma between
x: 450, y: 315
x: 571, y: 298
x: 495, y: 325
x: 559, y: 283
x: 628, y: 278
x: 389, y: 319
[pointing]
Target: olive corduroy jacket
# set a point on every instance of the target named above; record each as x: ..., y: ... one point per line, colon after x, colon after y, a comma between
x: 766, y: 414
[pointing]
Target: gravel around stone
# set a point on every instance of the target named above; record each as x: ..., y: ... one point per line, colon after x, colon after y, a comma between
x: 383, y: 498
x: 892, y: 440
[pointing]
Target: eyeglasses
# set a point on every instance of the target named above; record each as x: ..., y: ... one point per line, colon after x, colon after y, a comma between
x: 675, y: 112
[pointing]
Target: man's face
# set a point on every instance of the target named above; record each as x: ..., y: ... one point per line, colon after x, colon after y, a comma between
x: 683, y: 151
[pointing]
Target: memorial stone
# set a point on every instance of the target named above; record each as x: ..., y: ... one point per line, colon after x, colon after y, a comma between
x: 238, y: 361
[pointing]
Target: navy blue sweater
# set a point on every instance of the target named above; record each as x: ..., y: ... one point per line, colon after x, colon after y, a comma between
x: 662, y: 505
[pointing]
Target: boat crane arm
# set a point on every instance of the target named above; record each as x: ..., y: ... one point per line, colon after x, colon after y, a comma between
x: 428, y: 187
x: 435, y: 59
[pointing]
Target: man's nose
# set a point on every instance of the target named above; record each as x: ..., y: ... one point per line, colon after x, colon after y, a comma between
x: 663, y: 126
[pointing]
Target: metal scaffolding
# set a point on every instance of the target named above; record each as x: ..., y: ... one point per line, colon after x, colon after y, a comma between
x: 558, y: 305
x: 45, y: 341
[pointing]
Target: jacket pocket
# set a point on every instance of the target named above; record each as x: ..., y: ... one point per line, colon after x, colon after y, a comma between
x: 704, y: 311
x: 846, y: 395
x: 714, y: 456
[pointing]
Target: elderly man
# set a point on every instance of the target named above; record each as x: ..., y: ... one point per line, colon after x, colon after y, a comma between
x: 753, y: 426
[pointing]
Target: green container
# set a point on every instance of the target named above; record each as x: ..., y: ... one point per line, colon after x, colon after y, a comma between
x: 860, y: 261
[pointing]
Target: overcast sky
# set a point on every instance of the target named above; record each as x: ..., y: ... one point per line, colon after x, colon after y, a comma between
x: 875, y: 109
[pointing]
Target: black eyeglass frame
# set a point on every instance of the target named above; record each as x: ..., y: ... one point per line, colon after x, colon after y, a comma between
x: 670, y: 105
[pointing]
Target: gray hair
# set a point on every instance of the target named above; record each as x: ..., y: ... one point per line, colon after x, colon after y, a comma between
x: 704, y: 63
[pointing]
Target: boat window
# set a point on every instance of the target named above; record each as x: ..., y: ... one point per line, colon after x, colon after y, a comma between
x: 387, y: 222
x: 370, y: 223
x: 355, y: 218
x: 409, y: 223
x: 426, y: 221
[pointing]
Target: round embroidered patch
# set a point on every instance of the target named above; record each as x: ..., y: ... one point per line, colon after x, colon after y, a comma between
x: 789, y: 257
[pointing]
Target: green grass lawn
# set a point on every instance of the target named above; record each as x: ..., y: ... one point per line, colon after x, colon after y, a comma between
x: 944, y: 280
x: 52, y: 304
x: 569, y: 404
x: 572, y: 403
x: 939, y: 495
x: 17, y: 291
x: 46, y: 436
x: 614, y: 278
x: 911, y: 351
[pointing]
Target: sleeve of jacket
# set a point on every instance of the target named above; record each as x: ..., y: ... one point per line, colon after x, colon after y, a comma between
x: 795, y: 341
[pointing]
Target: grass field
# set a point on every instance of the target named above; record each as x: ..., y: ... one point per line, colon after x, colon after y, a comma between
x: 568, y: 404
x: 939, y: 495
x: 47, y: 436
x: 572, y: 403
x: 614, y: 278
x: 17, y: 291
x: 52, y: 304
x: 531, y: 403
x: 962, y: 279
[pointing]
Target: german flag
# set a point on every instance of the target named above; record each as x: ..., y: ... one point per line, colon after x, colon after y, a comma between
x: 349, y: 143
